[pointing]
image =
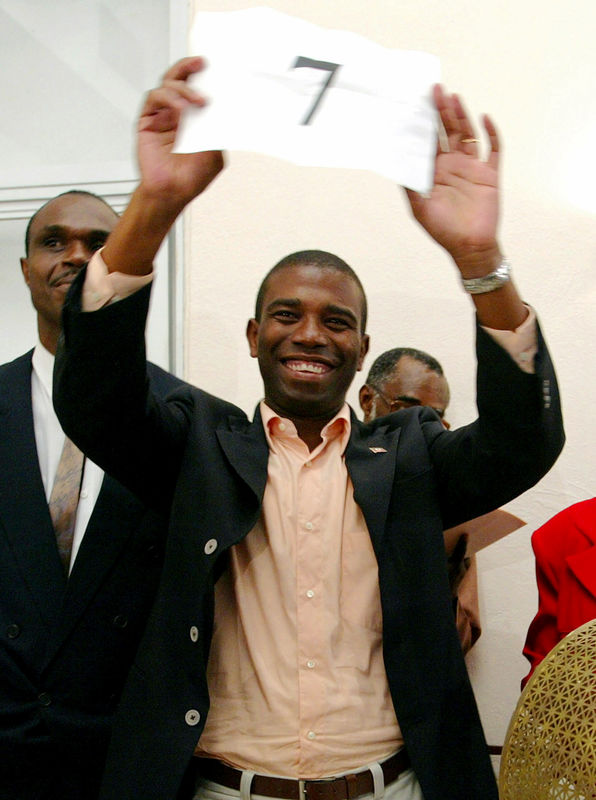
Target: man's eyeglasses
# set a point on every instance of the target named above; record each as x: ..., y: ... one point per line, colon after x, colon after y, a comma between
x: 403, y: 401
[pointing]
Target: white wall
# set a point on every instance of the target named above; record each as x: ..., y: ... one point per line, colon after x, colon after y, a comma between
x: 71, y: 84
x: 531, y: 65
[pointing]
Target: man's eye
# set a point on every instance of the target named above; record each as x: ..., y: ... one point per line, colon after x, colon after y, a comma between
x: 284, y: 315
x: 337, y: 323
x: 96, y: 244
x: 52, y: 242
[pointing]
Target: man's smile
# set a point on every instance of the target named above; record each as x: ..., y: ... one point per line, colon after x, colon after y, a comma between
x: 307, y: 366
x: 64, y: 278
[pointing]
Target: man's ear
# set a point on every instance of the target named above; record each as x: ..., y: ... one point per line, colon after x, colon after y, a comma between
x: 252, y: 334
x: 25, y: 269
x: 364, y: 345
x: 366, y: 396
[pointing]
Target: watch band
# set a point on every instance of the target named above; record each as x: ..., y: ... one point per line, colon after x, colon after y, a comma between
x: 488, y: 283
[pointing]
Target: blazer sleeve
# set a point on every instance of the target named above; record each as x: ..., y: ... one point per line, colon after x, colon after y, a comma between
x: 515, y: 440
x: 104, y: 400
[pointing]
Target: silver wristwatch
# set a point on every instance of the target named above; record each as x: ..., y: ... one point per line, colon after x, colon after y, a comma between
x: 488, y: 283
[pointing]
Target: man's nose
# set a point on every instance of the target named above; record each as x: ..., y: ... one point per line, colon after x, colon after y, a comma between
x: 310, y: 331
x: 77, y: 254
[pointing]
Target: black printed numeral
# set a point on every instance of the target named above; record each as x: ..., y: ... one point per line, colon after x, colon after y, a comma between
x: 326, y: 66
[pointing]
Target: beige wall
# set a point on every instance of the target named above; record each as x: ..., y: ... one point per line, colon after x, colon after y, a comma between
x: 530, y: 65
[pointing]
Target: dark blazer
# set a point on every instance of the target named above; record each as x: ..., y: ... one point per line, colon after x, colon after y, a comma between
x: 65, y: 647
x: 202, y: 459
x: 565, y: 550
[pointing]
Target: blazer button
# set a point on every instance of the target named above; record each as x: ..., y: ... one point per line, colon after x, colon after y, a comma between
x: 192, y: 717
x: 194, y: 634
x: 44, y: 699
x: 120, y: 621
x: 210, y: 546
x: 13, y: 631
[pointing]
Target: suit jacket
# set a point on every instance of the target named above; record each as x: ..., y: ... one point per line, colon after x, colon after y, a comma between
x: 202, y: 459
x: 565, y: 550
x: 65, y: 647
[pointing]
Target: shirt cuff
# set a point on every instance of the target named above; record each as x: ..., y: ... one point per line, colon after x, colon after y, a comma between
x: 102, y: 287
x: 521, y: 344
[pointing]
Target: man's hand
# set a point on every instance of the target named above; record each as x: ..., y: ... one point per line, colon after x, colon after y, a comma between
x: 462, y: 211
x: 174, y: 176
x: 168, y: 180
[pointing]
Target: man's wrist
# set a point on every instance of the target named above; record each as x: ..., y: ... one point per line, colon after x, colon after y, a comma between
x: 488, y: 283
x: 478, y: 262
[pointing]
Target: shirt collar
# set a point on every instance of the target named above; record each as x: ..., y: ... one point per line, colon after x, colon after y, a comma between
x: 279, y: 427
x: 43, y: 366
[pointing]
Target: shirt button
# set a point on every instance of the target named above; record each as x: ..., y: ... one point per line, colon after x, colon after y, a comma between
x: 311, y: 735
x: 13, y: 631
x: 310, y: 664
x: 308, y: 463
x: 309, y: 526
x: 282, y: 426
x: 192, y: 717
x: 310, y: 593
x: 194, y: 634
x: 210, y: 546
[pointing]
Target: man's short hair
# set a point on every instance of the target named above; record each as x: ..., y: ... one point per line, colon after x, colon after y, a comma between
x: 317, y: 258
x: 51, y: 200
x: 384, y: 365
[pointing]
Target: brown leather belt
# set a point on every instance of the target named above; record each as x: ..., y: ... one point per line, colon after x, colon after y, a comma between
x: 347, y: 787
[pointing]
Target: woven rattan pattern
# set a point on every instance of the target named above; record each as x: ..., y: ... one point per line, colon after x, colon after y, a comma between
x: 550, y: 747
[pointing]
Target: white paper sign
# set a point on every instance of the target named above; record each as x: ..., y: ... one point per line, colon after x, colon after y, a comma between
x: 285, y: 87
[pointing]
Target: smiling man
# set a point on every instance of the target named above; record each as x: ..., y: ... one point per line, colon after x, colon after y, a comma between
x: 303, y: 644
x: 78, y: 569
x: 308, y: 335
x: 60, y: 238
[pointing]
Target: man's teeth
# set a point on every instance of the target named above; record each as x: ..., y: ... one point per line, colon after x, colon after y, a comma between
x: 307, y: 366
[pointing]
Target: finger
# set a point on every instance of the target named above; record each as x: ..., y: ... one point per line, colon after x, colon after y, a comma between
x: 450, y: 110
x: 185, y: 91
x: 439, y: 97
x: 493, y: 137
x: 183, y: 68
x: 170, y: 97
x: 464, y: 134
x: 459, y: 131
x: 445, y: 104
x: 162, y: 110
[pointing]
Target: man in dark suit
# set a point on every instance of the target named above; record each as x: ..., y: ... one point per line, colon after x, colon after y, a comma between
x: 68, y: 632
x: 405, y: 377
x: 303, y: 626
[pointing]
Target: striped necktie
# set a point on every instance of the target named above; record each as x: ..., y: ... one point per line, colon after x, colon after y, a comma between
x: 65, y: 498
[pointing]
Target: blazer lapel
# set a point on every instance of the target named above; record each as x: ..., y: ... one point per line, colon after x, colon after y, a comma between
x: 246, y: 449
x: 371, y: 459
x: 24, y: 516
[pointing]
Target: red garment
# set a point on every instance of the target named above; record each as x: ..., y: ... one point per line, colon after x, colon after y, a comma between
x: 565, y: 550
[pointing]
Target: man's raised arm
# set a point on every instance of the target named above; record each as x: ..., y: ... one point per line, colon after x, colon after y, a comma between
x: 462, y: 213
x: 169, y: 181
